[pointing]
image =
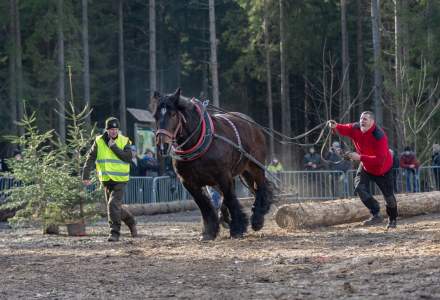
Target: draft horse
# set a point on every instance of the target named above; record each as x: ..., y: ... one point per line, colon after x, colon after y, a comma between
x: 210, y: 150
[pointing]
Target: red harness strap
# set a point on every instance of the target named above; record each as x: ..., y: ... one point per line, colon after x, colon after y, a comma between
x: 200, y: 140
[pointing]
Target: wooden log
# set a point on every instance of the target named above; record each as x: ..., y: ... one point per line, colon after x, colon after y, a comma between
x: 171, y: 207
x: 327, y: 213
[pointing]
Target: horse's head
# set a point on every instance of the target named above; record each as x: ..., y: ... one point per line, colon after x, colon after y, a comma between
x: 167, y: 111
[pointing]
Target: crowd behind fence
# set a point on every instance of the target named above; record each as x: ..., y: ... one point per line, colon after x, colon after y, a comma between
x: 302, y: 185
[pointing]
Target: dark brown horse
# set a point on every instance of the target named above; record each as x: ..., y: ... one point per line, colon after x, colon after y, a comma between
x: 210, y: 151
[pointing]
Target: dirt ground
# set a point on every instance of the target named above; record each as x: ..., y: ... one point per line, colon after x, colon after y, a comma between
x: 168, y: 261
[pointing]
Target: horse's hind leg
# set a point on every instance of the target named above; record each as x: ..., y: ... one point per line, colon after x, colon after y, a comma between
x: 263, y: 196
x: 239, y: 221
x: 209, y: 214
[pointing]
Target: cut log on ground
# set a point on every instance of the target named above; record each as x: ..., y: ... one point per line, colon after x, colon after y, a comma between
x: 334, y: 212
x: 171, y: 207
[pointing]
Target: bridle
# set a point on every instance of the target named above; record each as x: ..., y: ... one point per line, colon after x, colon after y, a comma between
x: 172, y: 135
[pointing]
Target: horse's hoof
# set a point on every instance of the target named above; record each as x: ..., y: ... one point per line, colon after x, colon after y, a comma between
x: 237, y: 235
x: 257, y: 226
x: 257, y: 223
x: 206, y: 238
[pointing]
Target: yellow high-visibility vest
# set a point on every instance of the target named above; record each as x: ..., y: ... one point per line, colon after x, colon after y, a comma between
x: 275, y: 169
x: 108, y: 165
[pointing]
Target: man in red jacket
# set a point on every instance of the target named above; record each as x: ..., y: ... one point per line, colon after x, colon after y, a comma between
x: 376, y: 163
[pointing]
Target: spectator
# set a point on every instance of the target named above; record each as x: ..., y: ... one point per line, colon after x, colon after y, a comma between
x: 136, y: 164
x: 338, y: 164
x: 312, y: 160
x: 17, y: 154
x: 275, y: 166
x: 436, y: 165
x: 410, y: 166
x: 151, y: 165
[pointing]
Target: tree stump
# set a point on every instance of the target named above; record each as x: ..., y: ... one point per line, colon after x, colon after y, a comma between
x: 327, y: 213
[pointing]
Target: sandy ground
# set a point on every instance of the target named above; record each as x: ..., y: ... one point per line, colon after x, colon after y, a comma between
x: 168, y: 261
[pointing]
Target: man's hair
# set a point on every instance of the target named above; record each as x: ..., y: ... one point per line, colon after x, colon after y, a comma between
x: 370, y: 113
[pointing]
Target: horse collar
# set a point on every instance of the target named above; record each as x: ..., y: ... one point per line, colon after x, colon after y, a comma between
x: 204, y: 140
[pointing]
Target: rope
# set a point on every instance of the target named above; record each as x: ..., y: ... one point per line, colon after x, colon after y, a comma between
x: 274, y: 133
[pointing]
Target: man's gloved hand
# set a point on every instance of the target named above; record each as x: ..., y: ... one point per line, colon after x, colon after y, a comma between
x: 351, y: 156
x: 332, y: 124
x: 111, y: 142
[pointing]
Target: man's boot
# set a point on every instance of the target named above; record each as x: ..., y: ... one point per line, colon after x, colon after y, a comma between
x: 113, y: 237
x: 374, y: 220
x: 392, y: 224
x: 392, y: 214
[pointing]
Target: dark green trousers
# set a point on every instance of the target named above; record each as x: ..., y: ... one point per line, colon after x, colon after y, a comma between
x: 114, y: 192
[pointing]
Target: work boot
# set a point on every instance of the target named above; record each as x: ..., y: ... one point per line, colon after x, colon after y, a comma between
x: 375, y: 219
x: 133, y: 230
x: 113, y: 237
x: 392, y: 224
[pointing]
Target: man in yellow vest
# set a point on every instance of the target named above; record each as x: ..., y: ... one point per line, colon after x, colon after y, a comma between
x: 112, y: 154
x: 275, y: 166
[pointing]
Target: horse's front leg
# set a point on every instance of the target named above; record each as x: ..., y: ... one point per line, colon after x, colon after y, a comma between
x: 209, y: 214
x: 239, y: 220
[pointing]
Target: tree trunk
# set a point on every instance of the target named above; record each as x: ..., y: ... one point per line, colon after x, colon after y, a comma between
x: 345, y: 64
x: 360, y: 55
x: 152, y: 37
x: 377, y: 88
x: 86, y: 57
x: 268, y: 78
x: 19, y: 68
x: 398, y: 97
x: 213, y: 44
x: 122, y: 101
x: 314, y: 214
x: 306, y: 118
x: 61, y: 73
x: 429, y: 31
x: 285, y: 103
x: 12, y: 67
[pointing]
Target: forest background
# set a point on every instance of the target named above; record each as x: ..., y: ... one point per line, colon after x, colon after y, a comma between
x: 290, y: 65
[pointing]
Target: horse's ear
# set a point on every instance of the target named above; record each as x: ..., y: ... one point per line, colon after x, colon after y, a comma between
x: 177, y: 93
x: 180, y: 102
x: 153, y: 101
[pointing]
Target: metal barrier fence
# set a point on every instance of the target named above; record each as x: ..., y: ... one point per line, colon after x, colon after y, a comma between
x: 313, y: 185
x: 167, y: 189
x: 6, y: 183
x: 426, y: 179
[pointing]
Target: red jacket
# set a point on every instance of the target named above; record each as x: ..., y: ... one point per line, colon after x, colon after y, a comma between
x: 372, y: 146
x: 407, y: 160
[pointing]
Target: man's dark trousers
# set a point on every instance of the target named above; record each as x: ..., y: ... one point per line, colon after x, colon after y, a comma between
x: 114, y: 192
x: 385, y: 184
